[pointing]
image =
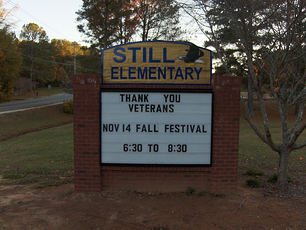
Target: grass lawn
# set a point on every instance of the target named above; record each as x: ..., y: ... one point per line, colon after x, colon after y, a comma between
x: 45, y: 152
x: 18, y: 123
x: 44, y: 157
x: 37, y: 146
x: 254, y: 153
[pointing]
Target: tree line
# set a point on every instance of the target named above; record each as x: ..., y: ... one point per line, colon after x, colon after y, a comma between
x: 33, y: 60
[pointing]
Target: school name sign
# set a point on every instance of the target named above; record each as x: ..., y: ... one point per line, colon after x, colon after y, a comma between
x: 156, y: 62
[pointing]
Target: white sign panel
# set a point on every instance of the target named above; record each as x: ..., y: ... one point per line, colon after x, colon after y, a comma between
x: 156, y: 128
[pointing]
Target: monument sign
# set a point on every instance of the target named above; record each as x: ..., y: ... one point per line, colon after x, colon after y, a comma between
x: 165, y: 127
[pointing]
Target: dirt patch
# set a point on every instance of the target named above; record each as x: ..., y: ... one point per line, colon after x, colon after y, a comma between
x: 22, y: 207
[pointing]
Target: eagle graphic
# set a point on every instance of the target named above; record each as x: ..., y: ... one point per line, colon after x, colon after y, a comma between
x: 193, y: 55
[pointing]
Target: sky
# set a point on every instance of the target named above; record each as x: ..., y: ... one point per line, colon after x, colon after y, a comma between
x: 57, y: 17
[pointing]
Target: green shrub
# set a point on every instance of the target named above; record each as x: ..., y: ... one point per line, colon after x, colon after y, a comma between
x: 254, y: 172
x: 273, y: 178
x: 220, y: 195
x: 289, y: 179
x: 68, y: 107
x: 190, y: 191
x: 253, y: 182
x: 13, y: 176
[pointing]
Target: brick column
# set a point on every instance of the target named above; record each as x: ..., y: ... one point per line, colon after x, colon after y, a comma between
x: 86, y: 104
x: 226, y: 132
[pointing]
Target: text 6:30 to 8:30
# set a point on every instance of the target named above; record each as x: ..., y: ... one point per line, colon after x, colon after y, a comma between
x: 154, y: 148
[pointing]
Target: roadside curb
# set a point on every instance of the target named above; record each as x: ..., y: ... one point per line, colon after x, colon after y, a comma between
x: 36, y: 107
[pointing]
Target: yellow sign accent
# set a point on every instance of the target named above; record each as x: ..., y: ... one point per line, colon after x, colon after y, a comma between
x: 156, y: 62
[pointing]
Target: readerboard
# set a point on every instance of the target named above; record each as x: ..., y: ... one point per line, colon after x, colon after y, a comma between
x: 167, y: 128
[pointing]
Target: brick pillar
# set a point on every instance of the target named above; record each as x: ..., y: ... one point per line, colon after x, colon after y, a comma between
x: 86, y: 104
x: 226, y: 132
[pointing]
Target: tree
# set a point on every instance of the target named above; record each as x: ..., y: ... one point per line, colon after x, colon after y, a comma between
x: 87, y: 59
x: 10, y: 62
x: 90, y: 61
x: 68, y: 54
x: 128, y: 22
x: 64, y: 59
x: 224, y: 41
x: 106, y: 22
x: 158, y: 19
x: 64, y: 56
x: 10, y: 59
x: 227, y: 30
x: 271, y: 37
x: 39, y: 58
x: 6, y: 13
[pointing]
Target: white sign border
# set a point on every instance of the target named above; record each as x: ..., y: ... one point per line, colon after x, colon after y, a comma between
x: 140, y: 90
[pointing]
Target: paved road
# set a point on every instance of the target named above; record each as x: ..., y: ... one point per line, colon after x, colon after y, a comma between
x: 35, y: 102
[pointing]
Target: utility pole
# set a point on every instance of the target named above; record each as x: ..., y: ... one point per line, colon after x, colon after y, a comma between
x: 74, y: 60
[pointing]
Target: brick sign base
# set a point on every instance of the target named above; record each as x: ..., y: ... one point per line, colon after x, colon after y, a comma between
x: 90, y: 176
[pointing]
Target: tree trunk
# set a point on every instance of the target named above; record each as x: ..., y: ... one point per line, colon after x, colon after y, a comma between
x: 31, y: 75
x: 282, y: 170
x: 297, y: 109
x: 250, y: 97
x: 32, y: 61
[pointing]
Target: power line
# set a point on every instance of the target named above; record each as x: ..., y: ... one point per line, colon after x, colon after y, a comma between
x: 30, y: 15
x: 40, y: 59
x: 34, y: 57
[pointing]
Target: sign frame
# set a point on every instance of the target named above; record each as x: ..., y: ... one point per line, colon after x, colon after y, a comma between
x: 139, y: 90
x: 158, y: 42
